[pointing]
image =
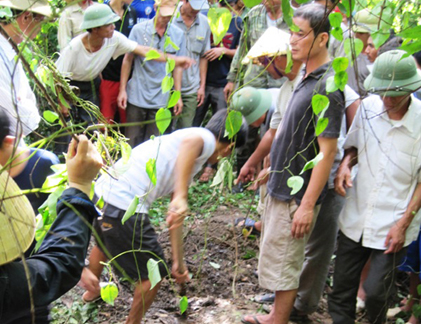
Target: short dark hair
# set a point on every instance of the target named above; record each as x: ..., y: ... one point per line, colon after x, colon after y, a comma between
x: 4, y: 126
x: 417, y: 57
x: 391, y: 44
x: 217, y: 126
x: 317, y: 16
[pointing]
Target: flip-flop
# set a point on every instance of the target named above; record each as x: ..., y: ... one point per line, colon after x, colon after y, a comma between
x: 265, y: 299
x: 248, y: 222
x: 256, y: 321
x: 90, y: 301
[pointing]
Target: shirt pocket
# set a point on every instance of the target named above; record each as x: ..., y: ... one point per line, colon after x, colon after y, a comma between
x: 197, y: 46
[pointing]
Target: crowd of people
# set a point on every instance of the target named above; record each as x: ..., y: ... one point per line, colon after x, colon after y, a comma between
x: 354, y: 165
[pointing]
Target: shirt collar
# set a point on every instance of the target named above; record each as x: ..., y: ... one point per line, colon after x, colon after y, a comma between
x: 411, y: 117
x: 320, y: 71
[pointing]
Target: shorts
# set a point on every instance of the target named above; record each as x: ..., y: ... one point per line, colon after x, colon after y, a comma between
x: 281, y: 256
x: 411, y: 262
x: 108, y: 93
x: 137, y: 233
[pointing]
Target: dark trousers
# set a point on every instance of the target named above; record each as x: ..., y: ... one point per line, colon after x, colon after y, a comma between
x: 350, y: 260
x: 140, y: 133
x: 214, y: 97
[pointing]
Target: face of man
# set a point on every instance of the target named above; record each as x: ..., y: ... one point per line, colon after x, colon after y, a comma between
x: 303, y: 43
x: 364, y: 38
x: 106, y: 31
x: 395, y: 104
x: 275, y: 66
x: 371, y: 50
x: 30, y: 23
x: 272, y: 5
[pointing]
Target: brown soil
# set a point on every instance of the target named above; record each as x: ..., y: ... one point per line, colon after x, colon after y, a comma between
x: 215, y: 295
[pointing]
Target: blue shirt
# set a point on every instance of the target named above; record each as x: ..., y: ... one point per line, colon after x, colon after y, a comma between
x: 144, y: 9
x: 144, y: 88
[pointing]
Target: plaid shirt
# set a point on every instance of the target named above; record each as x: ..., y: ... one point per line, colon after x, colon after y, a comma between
x: 255, y: 24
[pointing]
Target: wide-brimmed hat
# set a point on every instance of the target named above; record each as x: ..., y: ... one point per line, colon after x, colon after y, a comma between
x: 199, y: 4
x: 273, y: 42
x: 98, y: 15
x: 166, y: 7
x: 393, y: 75
x: 251, y: 103
x: 41, y: 7
x: 365, y: 22
x: 17, y: 220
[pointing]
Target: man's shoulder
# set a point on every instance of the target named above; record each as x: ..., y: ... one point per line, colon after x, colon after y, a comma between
x: 256, y: 11
x: 203, y: 20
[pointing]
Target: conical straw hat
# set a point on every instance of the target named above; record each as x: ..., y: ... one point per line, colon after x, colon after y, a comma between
x: 17, y: 220
x: 273, y: 42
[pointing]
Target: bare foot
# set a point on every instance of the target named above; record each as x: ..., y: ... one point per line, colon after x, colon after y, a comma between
x: 207, y: 174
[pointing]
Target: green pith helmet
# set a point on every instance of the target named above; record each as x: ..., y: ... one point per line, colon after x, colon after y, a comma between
x: 365, y: 22
x: 98, y: 15
x: 393, y: 76
x: 251, y: 103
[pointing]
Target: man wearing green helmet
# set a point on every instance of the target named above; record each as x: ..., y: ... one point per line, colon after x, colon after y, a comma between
x: 87, y: 55
x: 379, y: 218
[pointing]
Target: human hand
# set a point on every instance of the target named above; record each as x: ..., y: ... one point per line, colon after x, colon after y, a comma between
x: 180, y: 272
x: 229, y: 88
x: 200, y: 96
x: 89, y: 281
x: 83, y: 163
x: 178, y: 108
x: 176, y: 212
x: 395, y: 239
x: 247, y: 173
x: 263, y: 176
x: 122, y: 99
x: 184, y: 61
x: 214, y: 53
x: 343, y: 179
x: 301, y: 222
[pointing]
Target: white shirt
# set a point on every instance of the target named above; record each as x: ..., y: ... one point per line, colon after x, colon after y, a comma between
x: 22, y: 101
x: 80, y: 65
x: 69, y: 24
x: 135, y: 181
x: 389, y: 162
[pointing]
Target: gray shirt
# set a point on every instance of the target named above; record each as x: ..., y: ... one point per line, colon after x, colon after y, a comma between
x: 144, y: 88
x: 197, y: 43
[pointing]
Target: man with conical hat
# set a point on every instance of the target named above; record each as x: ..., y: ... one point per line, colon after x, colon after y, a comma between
x: 379, y: 219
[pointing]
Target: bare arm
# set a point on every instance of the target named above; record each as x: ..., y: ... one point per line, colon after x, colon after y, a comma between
x: 203, y: 69
x: 396, y: 237
x: 350, y: 113
x: 124, y: 77
x: 343, y: 178
x: 303, y: 217
x: 178, y: 75
x: 182, y: 61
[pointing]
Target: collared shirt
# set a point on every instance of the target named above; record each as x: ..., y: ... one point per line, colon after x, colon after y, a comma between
x: 255, y: 24
x: 389, y: 162
x: 20, y: 102
x: 197, y: 43
x: 295, y: 142
x: 69, y: 25
x: 144, y: 88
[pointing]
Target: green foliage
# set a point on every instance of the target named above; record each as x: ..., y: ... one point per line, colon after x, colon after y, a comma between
x: 249, y: 254
x: 353, y: 46
x: 169, y: 42
x: 319, y: 103
x: 312, y: 163
x: 109, y: 292
x: 153, y: 272
x: 175, y: 96
x: 233, y: 123
x: 5, y: 12
x: 151, y: 170
x: 224, y: 172
x: 335, y: 20
x: 347, y: 7
x: 295, y: 183
x: 152, y: 55
x: 340, y: 64
x: 77, y: 313
x: 321, y: 125
x: 131, y: 210
x: 219, y: 21
x: 167, y: 84
x: 252, y: 3
x: 287, y: 13
x: 50, y: 116
x: 163, y: 119
x: 184, y: 304
x: 169, y: 65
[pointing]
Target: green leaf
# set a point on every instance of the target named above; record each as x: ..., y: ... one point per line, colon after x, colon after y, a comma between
x: 379, y: 38
x: 63, y: 101
x: 330, y: 84
x: 163, y: 119
x: 289, y: 61
x: 340, y: 64
x: 151, y: 170
x: 335, y: 19
x: 287, y: 15
x: 50, y: 116
x: 223, y: 169
x: 219, y: 22
x: 249, y: 254
x: 169, y: 42
x: 419, y: 289
x: 100, y: 203
x: 184, y: 303
x: 169, y: 66
x: 399, y: 321
x: 153, y: 272
x: 214, y: 265
x: 352, y: 45
x: 252, y: 3
x: 152, y: 55
x: 233, y: 123
x: 319, y: 103
x: 131, y: 210
x: 413, y: 32
x: 5, y: 12
x: 295, y: 183
x: 109, y: 292
x: 175, y: 96
x: 126, y: 152
x: 341, y: 79
x: 347, y: 7
x: 167, y: 84
x: 312, y: 163
x: 337, y: 33
x: 412, y: 47
x: 321, y: 125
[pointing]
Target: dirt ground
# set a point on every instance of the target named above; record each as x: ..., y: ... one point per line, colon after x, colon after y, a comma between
x: 223, y: 264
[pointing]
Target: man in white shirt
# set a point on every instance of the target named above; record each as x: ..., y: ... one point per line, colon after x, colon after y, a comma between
x: 17, y: 98
x: 378, y: 219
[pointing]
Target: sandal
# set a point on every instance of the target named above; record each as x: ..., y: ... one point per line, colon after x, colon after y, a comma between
x: 91, y: 300
x: 256, y: 321
x: 247, y: 222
